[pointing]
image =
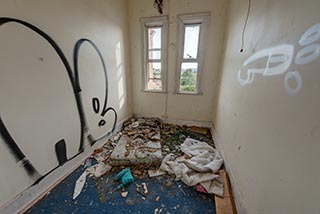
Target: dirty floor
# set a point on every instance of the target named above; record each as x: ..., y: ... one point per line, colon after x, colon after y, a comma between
x: 97, y: 197
x: 99, y: 194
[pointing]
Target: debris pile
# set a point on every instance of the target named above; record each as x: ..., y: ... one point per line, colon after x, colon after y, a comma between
x: 139, y: 144
x: 198, y: 165
x: 174, y: 135
x: 95, y: 166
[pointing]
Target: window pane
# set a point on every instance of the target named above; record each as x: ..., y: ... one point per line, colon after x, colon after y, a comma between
x: 154, y: 76
x: 154, y: 54
x: 188, y: 77
x: 154, y: 84
x: 191, y: 40
x: 154, y: 38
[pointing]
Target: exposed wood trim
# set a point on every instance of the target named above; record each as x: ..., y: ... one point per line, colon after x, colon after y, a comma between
x: 234, y: 187
x: 225, y: 204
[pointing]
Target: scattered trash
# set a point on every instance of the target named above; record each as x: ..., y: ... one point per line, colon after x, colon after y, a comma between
x: 99, y: 170
x: 79, y: 185
x: 124, y: 194
x: 200, y: 188
x: 181, y: 189
x: 200, y: 130
x: 135, y: 124
x: 145, y: 189
x: 102, y: 154
x: 174, y: 135
x: 139, y: 144
x: 198, y: 166
x: 155, y: 172
x: 98, y: 150
x: 125, y: 176
x: 88, y: 162
x: 141, y: 189
x: 117, y: 136
x: 157, y: 210
x: 137, y: 172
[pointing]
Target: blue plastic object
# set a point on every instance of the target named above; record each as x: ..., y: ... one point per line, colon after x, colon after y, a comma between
x: 125, y: 176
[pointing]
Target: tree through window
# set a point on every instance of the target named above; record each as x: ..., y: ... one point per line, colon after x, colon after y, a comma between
x: 191, y: 47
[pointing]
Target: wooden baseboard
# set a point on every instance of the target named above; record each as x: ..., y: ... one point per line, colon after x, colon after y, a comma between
x: 225, y: 204
x: 234, y: 188
x: 26, y: 199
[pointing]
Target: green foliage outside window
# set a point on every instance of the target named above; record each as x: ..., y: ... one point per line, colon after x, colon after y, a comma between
x: 188, y: 81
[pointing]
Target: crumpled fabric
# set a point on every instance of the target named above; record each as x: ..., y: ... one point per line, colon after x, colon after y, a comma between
x: 199, y: 165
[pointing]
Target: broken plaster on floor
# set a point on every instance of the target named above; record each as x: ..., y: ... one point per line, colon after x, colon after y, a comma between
x: 177, y: 135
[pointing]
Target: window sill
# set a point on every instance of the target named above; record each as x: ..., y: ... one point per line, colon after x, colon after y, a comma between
x: 186, y: 93
x: 153, y: 91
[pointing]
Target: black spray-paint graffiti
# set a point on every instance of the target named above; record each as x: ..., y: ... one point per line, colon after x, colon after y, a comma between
x: 75, y: 83
x: 95, y: 101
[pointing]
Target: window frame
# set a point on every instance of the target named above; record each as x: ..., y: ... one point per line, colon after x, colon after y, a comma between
x: 152, y: 22
x: 202, y: 20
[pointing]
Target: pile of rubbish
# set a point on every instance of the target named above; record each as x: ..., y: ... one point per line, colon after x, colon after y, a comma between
x: 197, y: 166
x: 140, y: 143
x: 149, y: 147
x: 174, y: 135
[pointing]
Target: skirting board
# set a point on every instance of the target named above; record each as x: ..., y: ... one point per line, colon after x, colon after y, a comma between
x: 205, y: 124
x: 235, y: 189
x: 25, y: 200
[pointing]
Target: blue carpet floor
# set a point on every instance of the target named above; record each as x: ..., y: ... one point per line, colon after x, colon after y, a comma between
x: 97, y: 197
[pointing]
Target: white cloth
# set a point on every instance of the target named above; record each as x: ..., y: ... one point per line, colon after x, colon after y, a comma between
x: 200, y: 166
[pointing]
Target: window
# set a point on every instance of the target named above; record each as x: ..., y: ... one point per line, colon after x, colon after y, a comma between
x: 155, y: 32
x: 191, y: 48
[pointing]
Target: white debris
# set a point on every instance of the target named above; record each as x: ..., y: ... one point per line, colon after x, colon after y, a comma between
x: 145, y: 189
x: 79, y: 185
x: 99, y: 169
x: 124, y: 194
x: 157, y: 210
x: 134, y: 124
x: 117, y: 137
x: 205, y: 161
x: 155, y: 172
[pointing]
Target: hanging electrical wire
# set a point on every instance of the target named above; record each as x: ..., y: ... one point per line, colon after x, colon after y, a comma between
x: 245, y: 26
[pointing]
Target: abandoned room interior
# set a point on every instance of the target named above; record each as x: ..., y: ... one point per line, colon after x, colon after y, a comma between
x: 160, y: 106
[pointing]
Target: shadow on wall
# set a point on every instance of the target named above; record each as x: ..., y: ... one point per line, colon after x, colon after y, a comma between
x: 99, y: 106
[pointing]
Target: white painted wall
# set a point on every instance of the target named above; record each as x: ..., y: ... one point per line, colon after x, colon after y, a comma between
x: 187, y: 107
x: 270, y: 138
x: 36, y: 99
